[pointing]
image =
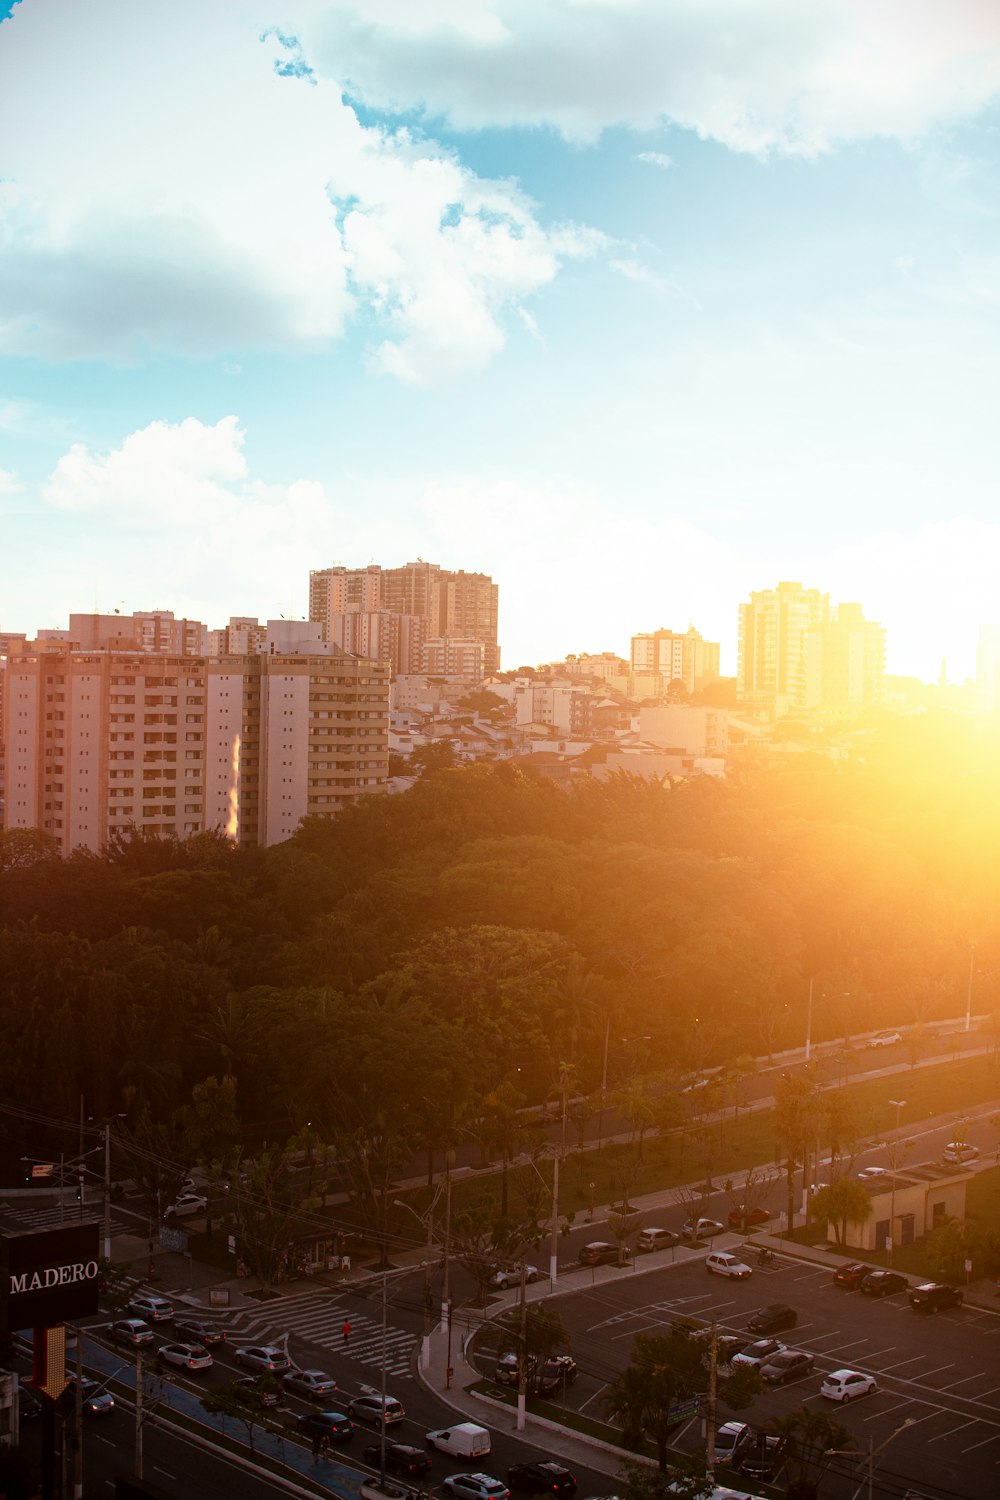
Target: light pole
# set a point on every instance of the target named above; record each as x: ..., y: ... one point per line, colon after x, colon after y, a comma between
x: 968, y: 992
x: 425, y: 1221
x: 809, y: 1020
x: 873, y: 1454
x: 604, y: 1085
x: 897, y: 1105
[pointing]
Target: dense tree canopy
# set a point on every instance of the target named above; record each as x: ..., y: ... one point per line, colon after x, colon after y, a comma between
x: 385, y: 972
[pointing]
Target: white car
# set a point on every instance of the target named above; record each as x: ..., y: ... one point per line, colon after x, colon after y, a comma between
x: 186, y: 1206
x: 847, y: 1385
x: 509, y: 1276
x: 703, y: 1229
x: 475, y: 1487
x: 758, y: 1352
x: 724, y: 1264
x: 184, y: 1356
x: 871, y: 1174
x: 958, y: 1153
x: 884, y: 1039
x: 263, y: 1357
x: 152, y: 1309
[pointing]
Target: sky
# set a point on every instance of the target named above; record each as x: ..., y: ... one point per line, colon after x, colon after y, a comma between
x: 635, y: 305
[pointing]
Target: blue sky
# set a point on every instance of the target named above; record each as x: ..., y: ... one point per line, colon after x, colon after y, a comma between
x: 637, y: 305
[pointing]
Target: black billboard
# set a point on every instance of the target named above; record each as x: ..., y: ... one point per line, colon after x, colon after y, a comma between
x: 49, y: 1275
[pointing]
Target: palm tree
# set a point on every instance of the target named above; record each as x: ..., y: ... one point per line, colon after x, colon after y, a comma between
x: 810, y: 1435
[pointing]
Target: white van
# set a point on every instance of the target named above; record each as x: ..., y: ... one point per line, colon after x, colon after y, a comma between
x: 464, y: 1440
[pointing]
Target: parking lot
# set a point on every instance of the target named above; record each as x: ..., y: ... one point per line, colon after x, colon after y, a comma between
x: 939, y: 1374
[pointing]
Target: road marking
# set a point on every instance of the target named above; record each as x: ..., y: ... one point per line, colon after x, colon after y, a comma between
x: 965, y: 1380
x: 973, y: 1446
x: 888, y: 1410
x: 926, y: 1374
x: 913, y: 1360
x: 952, y: 1430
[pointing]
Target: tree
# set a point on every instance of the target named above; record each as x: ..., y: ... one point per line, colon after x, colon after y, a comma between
x: 795, y: 1125
x: 843, y: 1202
x: 234, y: 1400
x: 663, y: 1370
x: 504, y: 1127
x: 810, y: 1435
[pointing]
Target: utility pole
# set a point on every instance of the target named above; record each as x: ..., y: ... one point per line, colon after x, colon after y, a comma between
x: 445, y: 1280
x: 78, y: 1422
x: 381, y: 1445
x: 553, y: 1251
x: 712, y: 1404
x: 522, y: 1361
x: 107, y: 1190
x: 139, y: 1384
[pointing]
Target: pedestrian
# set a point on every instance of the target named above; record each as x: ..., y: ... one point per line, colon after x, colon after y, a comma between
x: 324, y: 1445
x: 345, y: 1263
x: 317, y: 1443
x: 347, y: 1330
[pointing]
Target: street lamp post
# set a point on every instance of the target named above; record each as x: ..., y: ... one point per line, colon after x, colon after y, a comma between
x: 897, y: 1104
x: 873, y: 1454
x: 968, y: 992
x: 809, y: 1020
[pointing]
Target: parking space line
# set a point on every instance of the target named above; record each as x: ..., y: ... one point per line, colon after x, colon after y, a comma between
x: 926, y: 1374
x: 973, y: 1446
x: 981, y: 1375
x: 853, y: 1344
x: 993, y: 1392
x: 888, y: 1410
x: 913, y: 1360
x: 952, y: 1430
x: 879, y: 1352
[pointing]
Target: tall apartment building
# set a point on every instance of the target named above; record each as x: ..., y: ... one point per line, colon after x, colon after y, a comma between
x: 845, y: 661
x: 453, y: 605
x: 675, y: 657
x: 150, y: 630
x: 99, y: 741
x: 771, y: 676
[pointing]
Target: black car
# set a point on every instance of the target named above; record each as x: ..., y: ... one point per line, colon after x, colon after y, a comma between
x: 934, y: 1296
x: 764, y: 1457
x: 259, y: 1391
x: 773, y: 1318
x: 335, y: 1425
x: 883, y: 1283
x: 851, y: 1274
x: 400, y: 1458
x: 196, y: 1330
x: 789, y: 1364
x: 542, y: 1478
x: 602, y: 1253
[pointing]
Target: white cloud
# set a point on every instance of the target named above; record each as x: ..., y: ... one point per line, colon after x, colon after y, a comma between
x: 655, y: 159
x: 9, y: 483
x: 768, y: 75
x: 174, y: 178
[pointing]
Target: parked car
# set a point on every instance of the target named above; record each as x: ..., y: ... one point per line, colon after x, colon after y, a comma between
x: 370, y: 1408
x: 723, y: 1264
x: 959, y: 1153
x: 742, y: 1218
x: 934, y: 1296
x: 872, y: 1174
x: 257, y: 1390
x: 728, y: 1345
x: 773, y: 1318
x: 759, y: 1352
x: 702, y: 1229
x: 314, y: 1385
x: 401, y: 1459
x: 200, y: 1330
x: 560, y: 1370
x: 730, y: 1440
x: 883, y: 1283
x: 508, y: 1276
x: 763, y: 1456
x: 475, y: 1487
x: 190, y: 1357
x: 541, y: 1478
x: 654, y: 1238
x: 186, y: 1206
x: 788, y: 1365
x: 603, y: 1253
x: 153, y: 1309
x: 263, y: 1357
x: 884, y: 1039
x: 847, y: 1385
x: 335, y: 1425
x: 132, y: 1332
x: 94, y: 1400
x: 851, y: 1274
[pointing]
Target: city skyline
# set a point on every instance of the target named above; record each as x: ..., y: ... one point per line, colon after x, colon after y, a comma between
x: 483, y: 285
